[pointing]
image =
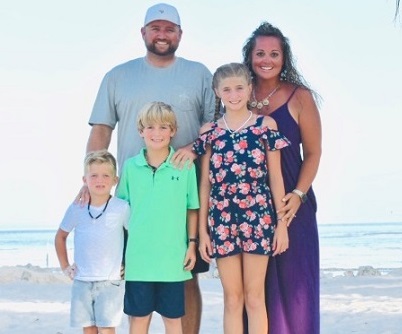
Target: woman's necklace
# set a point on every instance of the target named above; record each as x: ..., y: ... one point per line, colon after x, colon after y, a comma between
x: 264, y: 102
x: 232, y: 132
x: 104, y: 209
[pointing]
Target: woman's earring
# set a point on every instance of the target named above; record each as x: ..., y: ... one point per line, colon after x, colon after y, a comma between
x: 283, y: 75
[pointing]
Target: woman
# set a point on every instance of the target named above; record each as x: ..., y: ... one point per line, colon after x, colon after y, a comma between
x: 292, y: 282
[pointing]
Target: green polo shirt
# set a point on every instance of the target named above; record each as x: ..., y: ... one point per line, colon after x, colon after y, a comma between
x: 157, y: 232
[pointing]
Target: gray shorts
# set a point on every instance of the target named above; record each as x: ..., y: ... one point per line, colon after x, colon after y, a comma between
x: 96, y: 303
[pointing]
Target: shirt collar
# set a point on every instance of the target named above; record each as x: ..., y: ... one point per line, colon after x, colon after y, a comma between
x: 142, y: 161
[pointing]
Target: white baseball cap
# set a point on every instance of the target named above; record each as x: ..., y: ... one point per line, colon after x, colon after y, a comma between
x: 162, y: 11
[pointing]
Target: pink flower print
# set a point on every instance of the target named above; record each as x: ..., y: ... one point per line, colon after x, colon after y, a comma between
x: 211, y: 221
x: 256, y: 130
x: 261, y: 200
x: 228, y: 246
x: 212, y: 137
x: 221, y: 250
x: 258, y: 156
x: 249, y: 246
x: 229, y: 157
x: 226, y: 216
x: 211, y: 177
x: 243, y: 144
x: 219, y: 206
x: 252, y: 172
x: 240, y: 146
x: 216, y: 160
x: 250, y: 215
x: 233, y: 230
x: 265, y: 221
x: 244, y: 188
x: 223, y: 188
x: 236, y: 168
x: 247, y: 202
x: 243, y: 204
x: 232, y: 188
x: 280, y: 143
x: 220, y: 131
x: 258, y: 232
x: 265, y: 244
x: 222, y: 204
x: 255, y: 173
x: 222, y: 231
x: 219, y: 144
x: 251, y: 200
x: 246, y: 229
x: 220, y: 175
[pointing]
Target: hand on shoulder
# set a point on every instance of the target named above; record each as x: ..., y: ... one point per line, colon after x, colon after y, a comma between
x: 206, y: 127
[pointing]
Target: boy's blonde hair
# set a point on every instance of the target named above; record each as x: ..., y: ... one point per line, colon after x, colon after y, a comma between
x: 156, y: 113
x: 100, y: 157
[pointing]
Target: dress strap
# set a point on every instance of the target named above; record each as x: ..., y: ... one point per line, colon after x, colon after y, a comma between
x: 291, y: 95
x: 259, y: 120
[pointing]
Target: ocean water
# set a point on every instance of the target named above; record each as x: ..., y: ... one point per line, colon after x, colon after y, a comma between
x: 35, y: 247
x: 349, y: 246
x: 342, y: 247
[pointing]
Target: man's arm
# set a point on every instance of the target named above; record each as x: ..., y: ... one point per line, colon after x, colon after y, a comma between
x: 99, y: 138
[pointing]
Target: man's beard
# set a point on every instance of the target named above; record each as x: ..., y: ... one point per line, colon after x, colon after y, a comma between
x: 151, y: 47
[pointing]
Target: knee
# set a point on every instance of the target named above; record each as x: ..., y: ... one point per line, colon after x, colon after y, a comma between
x: 254, y: 301
x: 234, y: 302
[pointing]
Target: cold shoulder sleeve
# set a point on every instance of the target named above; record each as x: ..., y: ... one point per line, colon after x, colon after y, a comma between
x: 199, y: 146
x: 275, y: 140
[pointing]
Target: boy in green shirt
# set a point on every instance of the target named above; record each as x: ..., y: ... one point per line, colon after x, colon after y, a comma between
x: 161, y: 245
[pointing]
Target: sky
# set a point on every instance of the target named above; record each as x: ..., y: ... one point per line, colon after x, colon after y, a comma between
x: 54, y: 54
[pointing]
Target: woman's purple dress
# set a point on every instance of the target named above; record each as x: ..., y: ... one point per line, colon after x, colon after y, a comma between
x: 292, y: 283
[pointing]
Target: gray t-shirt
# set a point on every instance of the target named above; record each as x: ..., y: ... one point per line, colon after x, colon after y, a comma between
x: 185, y: 86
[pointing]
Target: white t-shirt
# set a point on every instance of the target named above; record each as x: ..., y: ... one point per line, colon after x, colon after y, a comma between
x: 98, y: 243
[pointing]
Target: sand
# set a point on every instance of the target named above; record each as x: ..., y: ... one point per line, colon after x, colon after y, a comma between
x: 36, y: 301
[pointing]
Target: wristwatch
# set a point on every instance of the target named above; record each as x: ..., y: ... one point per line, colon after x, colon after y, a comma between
x: 302, y: 195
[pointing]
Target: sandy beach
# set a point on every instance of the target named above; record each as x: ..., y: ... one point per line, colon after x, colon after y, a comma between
x: 36, y: 301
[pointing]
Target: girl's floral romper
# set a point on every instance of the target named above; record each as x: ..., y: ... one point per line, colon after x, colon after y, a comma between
x: 241, y: 216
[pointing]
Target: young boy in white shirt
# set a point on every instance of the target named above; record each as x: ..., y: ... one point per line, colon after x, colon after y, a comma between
x: 97, y: 291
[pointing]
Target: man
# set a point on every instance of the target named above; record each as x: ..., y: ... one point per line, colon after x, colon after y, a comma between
x: 159, y: 76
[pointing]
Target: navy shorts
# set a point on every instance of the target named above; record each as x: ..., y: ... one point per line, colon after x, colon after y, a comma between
x: 165, y: 298
x: 200, y: 265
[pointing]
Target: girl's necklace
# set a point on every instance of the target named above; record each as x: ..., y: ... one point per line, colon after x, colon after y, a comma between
x: 104, y: 209
x: 264, y: 102
x: 232, y: 132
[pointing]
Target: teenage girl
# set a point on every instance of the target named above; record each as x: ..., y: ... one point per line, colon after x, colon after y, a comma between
x: 241, y: 181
